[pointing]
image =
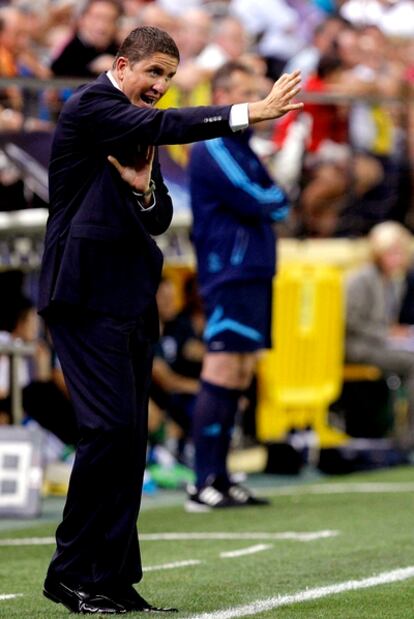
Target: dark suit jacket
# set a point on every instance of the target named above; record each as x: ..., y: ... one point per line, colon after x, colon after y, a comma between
x: 99, y: 253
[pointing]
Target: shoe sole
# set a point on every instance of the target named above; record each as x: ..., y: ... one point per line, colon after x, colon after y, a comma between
x: 196, y: 508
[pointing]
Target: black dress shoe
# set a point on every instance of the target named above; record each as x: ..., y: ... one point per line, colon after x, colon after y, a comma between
x: 129, y: 598
x: 80, y: 600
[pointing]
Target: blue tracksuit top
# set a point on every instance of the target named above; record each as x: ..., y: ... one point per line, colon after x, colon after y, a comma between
x: 234, y: 203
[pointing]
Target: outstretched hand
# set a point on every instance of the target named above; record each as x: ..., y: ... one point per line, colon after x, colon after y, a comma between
x: 139, y: 175
x: 279, y: 101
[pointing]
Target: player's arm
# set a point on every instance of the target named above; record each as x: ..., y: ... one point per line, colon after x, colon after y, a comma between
x: 214, y: 168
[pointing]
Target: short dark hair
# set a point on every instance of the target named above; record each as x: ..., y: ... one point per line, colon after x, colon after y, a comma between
x: 146, y: 41
x: 222, y: 76
x: 328, y: 64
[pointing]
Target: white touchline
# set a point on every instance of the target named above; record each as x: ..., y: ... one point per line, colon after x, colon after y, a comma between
x: 265, y: 536
x: 28, y: 541
x: 251, y: 550
x: 306, y: 536
x: 171, y: 566
x: 10, y: 596
x: 261, y: 606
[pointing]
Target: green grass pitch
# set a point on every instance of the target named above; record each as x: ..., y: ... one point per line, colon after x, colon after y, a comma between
x: 374, y: 535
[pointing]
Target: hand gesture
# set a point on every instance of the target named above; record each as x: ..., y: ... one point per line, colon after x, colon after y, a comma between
x: 139, y: 175
x: 280, y: 99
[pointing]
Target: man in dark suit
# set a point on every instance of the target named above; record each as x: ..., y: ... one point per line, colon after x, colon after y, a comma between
x: 100, y: 272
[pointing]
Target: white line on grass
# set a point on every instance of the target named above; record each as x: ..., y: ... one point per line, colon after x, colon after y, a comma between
x: 359, y: 488
x: 284, y: 535
x: 309, y: 536
x: 28, y: 541
x: 251, y: 550
x: 261, y: 606
x: 171, y: 566
x: 10, y: 596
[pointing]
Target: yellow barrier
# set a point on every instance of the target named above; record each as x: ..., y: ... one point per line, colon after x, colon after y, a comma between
x: 302, y: 374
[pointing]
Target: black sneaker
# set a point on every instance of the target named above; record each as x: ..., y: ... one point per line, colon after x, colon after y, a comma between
x: 207, y: 498
x: 242, y: 496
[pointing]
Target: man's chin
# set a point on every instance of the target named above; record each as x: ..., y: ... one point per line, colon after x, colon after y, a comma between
x: 141, y: 103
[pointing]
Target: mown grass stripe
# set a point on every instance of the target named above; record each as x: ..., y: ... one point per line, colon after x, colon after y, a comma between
x: 261, y: 606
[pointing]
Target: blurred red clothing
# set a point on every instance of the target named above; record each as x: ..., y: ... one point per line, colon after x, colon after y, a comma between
x: 328, y: 120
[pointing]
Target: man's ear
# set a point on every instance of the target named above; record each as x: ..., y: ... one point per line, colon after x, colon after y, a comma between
x: 121, y: 63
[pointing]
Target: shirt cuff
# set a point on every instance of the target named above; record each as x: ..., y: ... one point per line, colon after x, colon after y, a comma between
x: 141, y: 206
x: 239, y: 116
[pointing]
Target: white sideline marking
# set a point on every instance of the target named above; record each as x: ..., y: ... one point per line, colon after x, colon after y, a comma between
x: 351, y: 488
x: 28, y: 541
x: 251, y: 550
x: 10, y: 596
x: 160, y: 537
x: 290, y: 535
x: 171, y: 566
x: 261, y: 606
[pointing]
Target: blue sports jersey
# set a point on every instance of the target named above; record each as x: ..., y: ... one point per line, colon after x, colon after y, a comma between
x: 234, y: 203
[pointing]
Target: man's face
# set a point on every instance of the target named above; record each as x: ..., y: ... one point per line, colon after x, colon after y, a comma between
x: 242, y: 88
x: 146, y: 81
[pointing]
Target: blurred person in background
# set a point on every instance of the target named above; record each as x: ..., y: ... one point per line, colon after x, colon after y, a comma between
x: 229, y: 41
x: 44, y: 396
x: 395, y: 18
x: 152, y: 14
x: 274, y: 26
x: 333, y: 173
x: 195, y: 30
x: 17, y: 58
x: 235, y: 205
x: 380, y: 312
x: 323, y: 42
x: 92, y: 48
x: 174, y: 382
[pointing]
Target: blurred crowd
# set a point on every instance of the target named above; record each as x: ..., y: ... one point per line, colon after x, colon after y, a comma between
x: 346, y: 160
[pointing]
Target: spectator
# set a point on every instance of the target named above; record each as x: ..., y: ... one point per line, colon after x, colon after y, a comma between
x: 229, y: 42
x: 274, y: 25
x: 323, y: 43
x: 177, y: 364
x: 45, y: 399
x: 380, y: 311
x: 334, y: 173
x: 92, y: 48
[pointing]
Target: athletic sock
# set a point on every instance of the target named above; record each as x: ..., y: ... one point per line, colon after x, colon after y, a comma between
x: 213, y: 419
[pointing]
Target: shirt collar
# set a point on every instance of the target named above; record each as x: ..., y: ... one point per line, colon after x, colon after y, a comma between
x: 112, y: 79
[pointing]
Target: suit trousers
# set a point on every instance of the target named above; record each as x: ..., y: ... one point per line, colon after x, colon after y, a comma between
x: 106, y: 362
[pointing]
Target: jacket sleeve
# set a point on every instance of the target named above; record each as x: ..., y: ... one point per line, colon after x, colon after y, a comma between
x: 213, y: 166
x: 112, y: 122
